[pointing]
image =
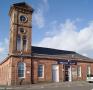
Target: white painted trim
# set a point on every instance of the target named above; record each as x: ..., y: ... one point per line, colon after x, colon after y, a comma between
x: 24, y: 71
x: 80, y: 71
x: 70, y: 74
x: 89, y: 69
x: 55, y: 67
x: 42, y: 71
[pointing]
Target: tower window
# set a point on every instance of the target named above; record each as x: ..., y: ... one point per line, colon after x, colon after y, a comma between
x: 24, y: 42
x: 22, y: 30
x: 21, y: 70
x: 18, y: 43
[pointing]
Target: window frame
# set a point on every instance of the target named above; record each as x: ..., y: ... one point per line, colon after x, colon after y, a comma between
x: 79, y: 71
x: 18, y: 41
x: 24, y: 48
x: 88, y: 69
x: 42, y: 71
x: 24, y: 74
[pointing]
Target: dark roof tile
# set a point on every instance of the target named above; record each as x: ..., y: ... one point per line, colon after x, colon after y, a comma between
x: 49, y: 51
x: 55, y: 53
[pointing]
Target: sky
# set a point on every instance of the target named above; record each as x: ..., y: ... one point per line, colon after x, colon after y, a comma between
x: 59, y: 24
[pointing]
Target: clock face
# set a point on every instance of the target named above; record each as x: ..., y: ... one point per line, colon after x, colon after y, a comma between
x: 23, y: 18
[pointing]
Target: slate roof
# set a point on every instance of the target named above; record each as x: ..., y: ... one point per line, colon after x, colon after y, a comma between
x: 57, y: 54
x: 49, y: 51
x: 22, y: 4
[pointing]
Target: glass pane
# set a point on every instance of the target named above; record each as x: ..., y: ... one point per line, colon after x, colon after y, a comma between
x: 40, y: 70
x: 18, y: 42
x: 88, y: 70
x: 79, y: 71
x: 21, y: 69
x: 24, y: 42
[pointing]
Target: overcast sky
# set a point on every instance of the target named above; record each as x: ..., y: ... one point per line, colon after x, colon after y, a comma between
x: 60, y: 24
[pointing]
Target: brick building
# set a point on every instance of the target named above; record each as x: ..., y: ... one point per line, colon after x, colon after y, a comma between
x: 27, y: 64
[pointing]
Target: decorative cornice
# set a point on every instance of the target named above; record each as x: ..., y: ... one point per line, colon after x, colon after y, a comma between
x: 22, y: 25
x: 20, y: 55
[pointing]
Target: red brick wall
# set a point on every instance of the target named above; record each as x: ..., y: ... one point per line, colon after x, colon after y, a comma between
x: 5, y: 72
x: 9, y: 71
x: 83, y: 70
x: 47, y: 69
x: 15, y: 79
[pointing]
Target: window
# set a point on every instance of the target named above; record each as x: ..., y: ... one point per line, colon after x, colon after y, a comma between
x: 23, y: 18
x: 40, y: 70
x: 22, y: 30
x: 18, y: 43
x: 24, y: 42
x: 21, y: 43
x: 79, y: 71
x: 88, y: 70
x: 21, y: 70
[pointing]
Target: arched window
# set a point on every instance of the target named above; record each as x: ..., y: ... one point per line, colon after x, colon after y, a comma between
x: 21, y: 70
x: 24, y: 42
x: 18, y: 43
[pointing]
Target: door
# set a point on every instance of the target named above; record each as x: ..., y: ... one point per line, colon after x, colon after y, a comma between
x: 67, y: 73
x: 55, y: 73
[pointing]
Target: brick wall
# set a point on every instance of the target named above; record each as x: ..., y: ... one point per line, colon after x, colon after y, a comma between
x: 83, y: 70
x: 15, y: 79
x: 48, y: 70
x: 5, y: 72
x: 9, y: 71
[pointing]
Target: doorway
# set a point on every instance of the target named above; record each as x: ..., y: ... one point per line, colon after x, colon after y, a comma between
x: 67, y: 73
x: 55, y: 73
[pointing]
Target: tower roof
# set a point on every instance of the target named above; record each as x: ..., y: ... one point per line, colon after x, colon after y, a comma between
x: 21, y: 5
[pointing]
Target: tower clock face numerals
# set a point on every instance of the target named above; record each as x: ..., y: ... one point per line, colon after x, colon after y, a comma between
x: 23, y: 18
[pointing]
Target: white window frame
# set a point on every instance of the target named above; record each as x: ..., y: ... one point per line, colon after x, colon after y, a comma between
x: 88, y: 69
x: 42, y: 71
x: 79, y: 71
x: 24, y: 71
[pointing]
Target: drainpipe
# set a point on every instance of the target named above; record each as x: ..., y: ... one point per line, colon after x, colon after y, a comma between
x: 32, y: 70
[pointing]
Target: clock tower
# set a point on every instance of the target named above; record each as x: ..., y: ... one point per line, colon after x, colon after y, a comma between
x: 20, y: 29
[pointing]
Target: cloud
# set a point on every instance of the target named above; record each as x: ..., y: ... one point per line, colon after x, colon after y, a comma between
x: 46, y: 5
x: 68, y: 37
x: 38, y: 16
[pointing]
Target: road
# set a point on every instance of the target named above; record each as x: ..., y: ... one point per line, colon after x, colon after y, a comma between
x: 67, y: 88
x: 54, y: 86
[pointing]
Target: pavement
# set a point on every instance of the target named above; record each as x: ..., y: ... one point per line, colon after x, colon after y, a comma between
x: 49, y: 85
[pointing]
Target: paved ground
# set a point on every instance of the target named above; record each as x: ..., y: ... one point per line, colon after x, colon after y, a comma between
x: 54, y: 86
